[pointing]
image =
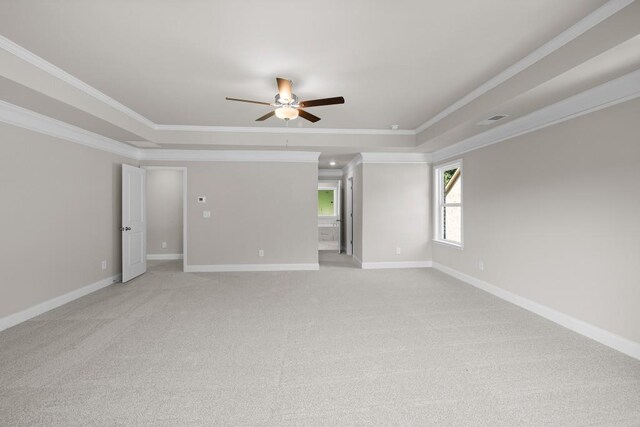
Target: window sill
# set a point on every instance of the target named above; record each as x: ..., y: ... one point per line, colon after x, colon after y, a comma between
x: 449, y: 244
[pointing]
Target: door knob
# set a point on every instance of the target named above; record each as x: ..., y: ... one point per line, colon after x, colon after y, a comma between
x: 125, y: 228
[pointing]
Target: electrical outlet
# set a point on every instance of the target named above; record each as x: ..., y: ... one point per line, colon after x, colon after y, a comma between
x: 206, y: 214
x: 398, y: 251
x: 261, y: 252
x: 164, y: 245
x: 104, y: 265
x: 481, y: 265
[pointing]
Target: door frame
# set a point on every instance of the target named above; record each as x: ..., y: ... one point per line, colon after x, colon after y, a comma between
x: 184, y: 205
x: 349, y: 214
x: 334, y: 184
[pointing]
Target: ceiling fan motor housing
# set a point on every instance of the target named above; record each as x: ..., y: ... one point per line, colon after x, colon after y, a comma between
x: 293, y: 102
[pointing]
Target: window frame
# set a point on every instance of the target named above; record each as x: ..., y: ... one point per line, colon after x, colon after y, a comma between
x: 323, y: 186
x: 440, y: 204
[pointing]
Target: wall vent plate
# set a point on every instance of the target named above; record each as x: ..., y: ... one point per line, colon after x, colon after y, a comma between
x: 491, y: 120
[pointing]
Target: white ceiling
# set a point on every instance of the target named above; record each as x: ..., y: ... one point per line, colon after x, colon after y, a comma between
x: 399, y: 62
x: 154, y: 74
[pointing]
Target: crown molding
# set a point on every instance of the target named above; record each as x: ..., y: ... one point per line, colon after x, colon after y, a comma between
x: 36, y: 122
x: 606, y: 95
x: 230, y: 156
x: 584, y: 25
x: 59, y: 73
x: 281, y: 130
x: 69, y: 79
x: 395, y: 157
x: 379, y: 158
x: 348, y: 169
x: 590, y: 21
x: 329, y: 173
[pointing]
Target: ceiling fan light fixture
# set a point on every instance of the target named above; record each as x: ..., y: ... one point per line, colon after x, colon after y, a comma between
x: 286, y: 113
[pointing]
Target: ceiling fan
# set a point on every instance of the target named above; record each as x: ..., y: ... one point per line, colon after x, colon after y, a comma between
x: 287, y: 105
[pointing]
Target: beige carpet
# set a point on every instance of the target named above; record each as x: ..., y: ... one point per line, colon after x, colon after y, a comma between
x: 336, y: 347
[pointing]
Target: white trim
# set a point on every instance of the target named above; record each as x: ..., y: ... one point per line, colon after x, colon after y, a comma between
x: 230, y: 156
x: 350, y: 167
x: 395, y: 264
x: 449, y: 244
x: 67, y: 78
x: 163, y: 257
x: 590, y: 21
x: 584, y: 25
x: 43, y: 307
x: 395, y: 157
x: 437, y: 206
x: 216, y: 268
x: 330, y: 173
x: 349, y: 214
x: 282, y: 130
x: 607, y: 338
x: 606, y: 95
x: 51, y: 69
x: 36, y: 122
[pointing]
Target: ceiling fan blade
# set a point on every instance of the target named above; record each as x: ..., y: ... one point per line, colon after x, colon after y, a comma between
x: 266, y: 116
x: 247, y: 100
x: 284, y: 88
x: 308, y: 116
x: 320, y: 102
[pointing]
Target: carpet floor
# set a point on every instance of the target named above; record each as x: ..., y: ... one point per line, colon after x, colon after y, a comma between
x: 339, y: 346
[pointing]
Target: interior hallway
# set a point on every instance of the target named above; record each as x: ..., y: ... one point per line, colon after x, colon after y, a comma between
x: 338, y: 346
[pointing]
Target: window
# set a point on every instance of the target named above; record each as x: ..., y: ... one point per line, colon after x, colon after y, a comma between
x: 448, y: 192
x: 326, y: 203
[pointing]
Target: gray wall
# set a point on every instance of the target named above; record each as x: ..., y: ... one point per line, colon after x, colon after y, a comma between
x: 60, y: 210
x: 555, y: 216
x: 396, y: 212
x: 254, y: 205
x: 164, y: 211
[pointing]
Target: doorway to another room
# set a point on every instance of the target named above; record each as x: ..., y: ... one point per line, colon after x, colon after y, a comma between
x: 166, y: 215
x: 329, y: 230
x: 331, y: 242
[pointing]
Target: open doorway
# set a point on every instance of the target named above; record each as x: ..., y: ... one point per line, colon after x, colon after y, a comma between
x: 329, y: 233
x: 166, y: 215
x: 331, y: 245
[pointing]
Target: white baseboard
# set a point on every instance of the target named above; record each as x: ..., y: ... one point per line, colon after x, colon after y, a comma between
x: 607, y: 338
x: 395, y: 264
x: 217, y: 268
x: 357, y: 260
x: 162, y: 257
x: 36, y: 310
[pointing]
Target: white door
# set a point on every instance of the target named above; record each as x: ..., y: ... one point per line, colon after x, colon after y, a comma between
x: 349, y: 213
x: 134, y: 225
x: 339, y: 215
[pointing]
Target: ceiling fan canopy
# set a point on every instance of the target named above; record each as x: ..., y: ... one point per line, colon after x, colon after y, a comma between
x: 288, y: 107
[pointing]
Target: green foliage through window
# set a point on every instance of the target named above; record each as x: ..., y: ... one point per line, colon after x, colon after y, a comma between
x: 447, y: 175
x: 325, y: 202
